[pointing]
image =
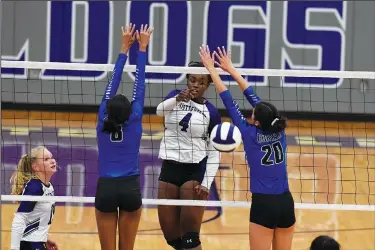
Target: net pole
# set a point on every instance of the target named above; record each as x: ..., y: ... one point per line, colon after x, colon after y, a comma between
x: 1, y: 126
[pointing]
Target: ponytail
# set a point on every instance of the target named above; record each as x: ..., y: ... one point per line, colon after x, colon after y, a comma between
x: 110, y: 126
x: 24, y: 171
x: 268, y: 117
x: 277, y: 125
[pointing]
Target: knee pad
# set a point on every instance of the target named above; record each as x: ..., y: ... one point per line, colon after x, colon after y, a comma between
x: 190, y: 240
x: 176, y: 244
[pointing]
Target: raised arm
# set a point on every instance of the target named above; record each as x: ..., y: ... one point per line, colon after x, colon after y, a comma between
x: 225, y: 64
x: 139, y: 83
x: 128, y: 38
x: 168, y: 104
x: 143, y: 37
x: 232, y: 106
x: 171, y: 101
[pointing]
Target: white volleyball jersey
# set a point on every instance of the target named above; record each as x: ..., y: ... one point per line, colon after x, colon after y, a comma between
x: 187, y: 131
x: 33, y: 219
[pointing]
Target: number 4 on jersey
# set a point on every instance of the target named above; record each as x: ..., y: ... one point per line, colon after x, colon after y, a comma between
x: 184, y: 123
x: 277, y: 150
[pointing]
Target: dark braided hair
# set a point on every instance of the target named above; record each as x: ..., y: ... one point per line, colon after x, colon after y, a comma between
x: 198, y: 64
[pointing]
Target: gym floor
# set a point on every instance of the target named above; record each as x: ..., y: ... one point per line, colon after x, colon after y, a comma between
x: 328, y: 163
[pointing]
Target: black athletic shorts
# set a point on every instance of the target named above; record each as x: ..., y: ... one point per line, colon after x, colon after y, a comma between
x: 27, y: 245
x: 178, y: 173
x: 123, y: 193
x: 273, y: 211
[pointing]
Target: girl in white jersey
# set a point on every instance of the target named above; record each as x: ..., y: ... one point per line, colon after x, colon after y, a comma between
x: 189, y: 163
x: 32, y: 220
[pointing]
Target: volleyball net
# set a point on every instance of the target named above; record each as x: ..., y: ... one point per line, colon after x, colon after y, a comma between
x: 331, y: 164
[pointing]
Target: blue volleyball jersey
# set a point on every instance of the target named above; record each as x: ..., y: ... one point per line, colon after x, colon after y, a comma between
x: 118, y: 153
x: 265, y: 152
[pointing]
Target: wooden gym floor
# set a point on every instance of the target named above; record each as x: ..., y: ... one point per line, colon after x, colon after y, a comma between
x: 328, y: 163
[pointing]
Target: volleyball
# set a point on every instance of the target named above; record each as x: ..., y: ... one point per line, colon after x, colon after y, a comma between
x: 225, y: 137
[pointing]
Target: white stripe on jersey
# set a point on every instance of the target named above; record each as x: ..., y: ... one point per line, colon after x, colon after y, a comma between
x: 186, y: 134
x: 33, y: 219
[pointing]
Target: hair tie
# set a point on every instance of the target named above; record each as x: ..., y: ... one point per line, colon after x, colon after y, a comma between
x: 274, y: 121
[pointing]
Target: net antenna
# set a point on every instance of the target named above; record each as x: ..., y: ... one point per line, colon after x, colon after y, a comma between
x: 1, y: 139
x: 362, y: 75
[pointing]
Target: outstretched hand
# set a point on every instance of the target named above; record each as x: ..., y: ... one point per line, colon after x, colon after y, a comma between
x: 206, y: 58
x: 128, y: 37
x: 224, y: 59
x: 143, y: 36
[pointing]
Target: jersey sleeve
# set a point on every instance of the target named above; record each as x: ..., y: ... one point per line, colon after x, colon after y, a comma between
x: 171, y: 94
x: 139, y: 85
x: 168, y: 104
x: 251, y: 97
x: 18, y: 227
x: 232, y: 106
x: 33, y: 187
x: 213, y: 156
x: 112, y: 86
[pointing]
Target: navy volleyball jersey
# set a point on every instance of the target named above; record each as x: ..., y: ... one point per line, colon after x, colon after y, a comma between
x: 119, y: 152
x: 265, y: 152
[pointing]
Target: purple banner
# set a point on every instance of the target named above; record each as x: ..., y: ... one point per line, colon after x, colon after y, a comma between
x: 76, y: 153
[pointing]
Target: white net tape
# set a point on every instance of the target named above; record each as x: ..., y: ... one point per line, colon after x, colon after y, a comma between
x: 75, y: 199
x: 195, y: 70
x: 367, y: 203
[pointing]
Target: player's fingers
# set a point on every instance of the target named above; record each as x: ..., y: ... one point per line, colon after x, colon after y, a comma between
x: 205, y: 49
x: 208, y: 50
x: 201, y: 56
x: 201, y: 50
x: 223, y: 50
x: 132, y: 28
x: 198, y: 192
x: 122, y: 29
x: 220, y: 52
x: 150, y: 30
x: 213, y: 56
x: 146, y: 27
x: 183, y: 97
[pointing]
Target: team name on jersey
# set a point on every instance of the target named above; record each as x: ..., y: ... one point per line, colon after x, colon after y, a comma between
x: 261, y: 138
x: 186, y: 107
x: 49, y: 194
